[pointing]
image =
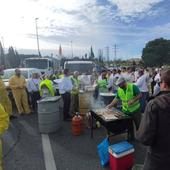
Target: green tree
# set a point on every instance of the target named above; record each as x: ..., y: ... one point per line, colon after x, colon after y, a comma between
x: 156, y: 52
x: 2, y: 55
x: 13, y: 58
x: 91, y: 56
x: 85, y: 55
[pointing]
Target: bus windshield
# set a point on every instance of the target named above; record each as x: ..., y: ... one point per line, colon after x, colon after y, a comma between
x: 40, y: 64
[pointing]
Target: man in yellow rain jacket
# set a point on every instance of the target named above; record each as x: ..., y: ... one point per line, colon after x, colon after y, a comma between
x: 18, y: 85
x: 4, y: 99
x: 4, y: 122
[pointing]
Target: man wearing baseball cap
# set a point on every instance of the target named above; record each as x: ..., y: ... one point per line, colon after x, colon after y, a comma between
x: 129, y: 94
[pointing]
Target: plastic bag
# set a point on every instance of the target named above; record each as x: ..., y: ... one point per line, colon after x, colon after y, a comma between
x: 103, y: 151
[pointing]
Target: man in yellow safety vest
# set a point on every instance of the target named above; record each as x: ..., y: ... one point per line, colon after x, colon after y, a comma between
x: 129, y: 94
x: 102, y: 82
x: 75, y: 93
x: 46, y: 88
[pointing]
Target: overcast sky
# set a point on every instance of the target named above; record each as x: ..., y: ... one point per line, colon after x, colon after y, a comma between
x: 100, y: 23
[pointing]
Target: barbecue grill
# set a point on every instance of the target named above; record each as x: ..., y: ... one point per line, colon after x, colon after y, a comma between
x: 115, y: 121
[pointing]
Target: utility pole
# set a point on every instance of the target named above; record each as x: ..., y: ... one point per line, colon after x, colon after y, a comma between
x: 36, y: 26
x: 115, y: 52
x: 72, y: 49
x: 107, y: 54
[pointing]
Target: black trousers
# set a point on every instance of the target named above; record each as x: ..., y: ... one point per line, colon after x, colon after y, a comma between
x: 156, y: 162
x: 35, y: 96
x: 74, y: 104
x: 66, y: 104
x: 136, y: 118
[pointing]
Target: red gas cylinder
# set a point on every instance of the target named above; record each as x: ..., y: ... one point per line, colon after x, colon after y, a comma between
x: 77, y: 125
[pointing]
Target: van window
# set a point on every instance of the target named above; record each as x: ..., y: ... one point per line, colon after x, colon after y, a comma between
x: 9, y: 73
x: 80, y: 67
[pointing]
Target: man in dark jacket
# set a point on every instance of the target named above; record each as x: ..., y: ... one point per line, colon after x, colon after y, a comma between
x: 155, y: 126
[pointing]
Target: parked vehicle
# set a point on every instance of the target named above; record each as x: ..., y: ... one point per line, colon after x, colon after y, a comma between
x: 80, y: 66
x: 26, y: 72
x: 45, y: 65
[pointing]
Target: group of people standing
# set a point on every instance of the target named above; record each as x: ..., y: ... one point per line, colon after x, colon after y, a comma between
x: 35, y: 88
x: 133, y: 91
x: 146, y: 81
x: 152, y: 125
x: 132, y: 88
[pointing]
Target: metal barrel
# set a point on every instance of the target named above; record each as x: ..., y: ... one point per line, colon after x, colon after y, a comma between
x: 49, y: 114
x: 85, y: 101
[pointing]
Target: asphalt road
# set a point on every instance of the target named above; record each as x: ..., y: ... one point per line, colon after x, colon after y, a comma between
x: 23, y: 148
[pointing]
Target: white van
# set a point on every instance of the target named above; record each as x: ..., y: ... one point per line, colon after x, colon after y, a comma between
x: 26, y: 72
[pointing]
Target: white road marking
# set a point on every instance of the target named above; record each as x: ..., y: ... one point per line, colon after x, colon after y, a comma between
x: 48, y: 154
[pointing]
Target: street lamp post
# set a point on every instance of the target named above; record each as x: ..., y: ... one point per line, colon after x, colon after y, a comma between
x: 36, y: 26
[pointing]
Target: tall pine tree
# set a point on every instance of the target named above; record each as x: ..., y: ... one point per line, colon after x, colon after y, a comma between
x: 2, y: 55
x: 13, y: 58
x: 91, y: 56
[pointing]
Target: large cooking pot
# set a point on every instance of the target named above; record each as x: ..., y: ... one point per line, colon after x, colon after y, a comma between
x: 107, y: 97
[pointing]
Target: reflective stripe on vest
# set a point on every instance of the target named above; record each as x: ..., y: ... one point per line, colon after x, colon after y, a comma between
x: 61, y: 76
x: 49, y: 85
x: 75, y: 86
x: 126, y: 96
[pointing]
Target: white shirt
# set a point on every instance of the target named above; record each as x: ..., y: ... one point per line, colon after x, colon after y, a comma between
x: 117, y: 75
x: 157, y: 78
x: 33, y: 85
x: 85, y: 80
x: 142, y: 83
x: 136, y: 75
x: 110, y: 81
x: 65, y: 85
x: 130, y: 78
x: 157, y: 89
x: 124, y: 75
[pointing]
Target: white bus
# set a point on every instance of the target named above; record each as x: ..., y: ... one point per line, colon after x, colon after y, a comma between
x: 45, y: 65
x: 80, y: 66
